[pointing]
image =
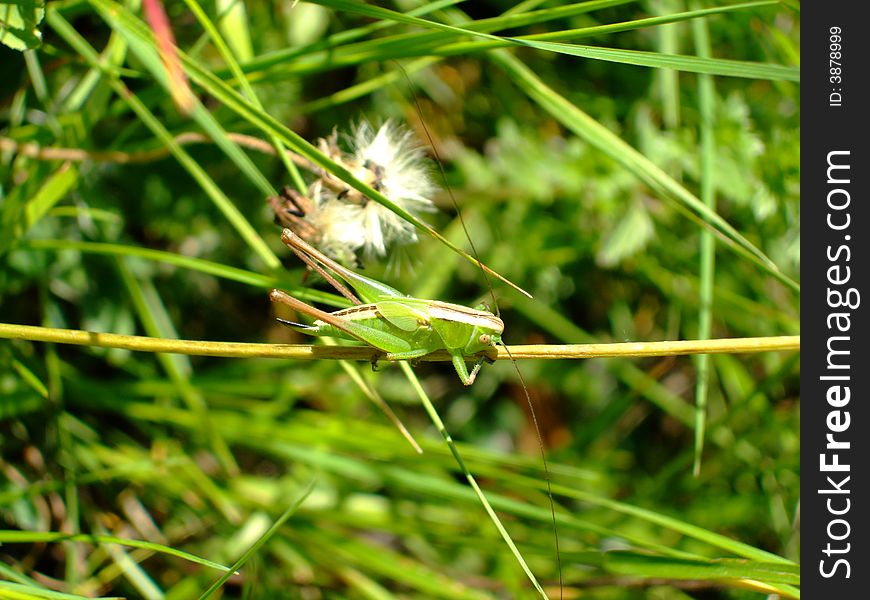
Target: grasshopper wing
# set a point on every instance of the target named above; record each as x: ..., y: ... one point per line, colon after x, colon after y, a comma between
x: 368, y: 335
x: 399, y: 314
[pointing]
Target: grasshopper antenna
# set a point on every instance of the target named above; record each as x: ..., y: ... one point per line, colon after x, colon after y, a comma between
x: 448, y: 188
x: 497, y: 312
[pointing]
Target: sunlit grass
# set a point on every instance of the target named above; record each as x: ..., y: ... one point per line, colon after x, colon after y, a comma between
x: 596, y: 152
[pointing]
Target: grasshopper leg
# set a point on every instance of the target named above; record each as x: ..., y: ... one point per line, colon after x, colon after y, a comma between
x: 476, y: 369
x: 409, y: 355
x: 462, y: 369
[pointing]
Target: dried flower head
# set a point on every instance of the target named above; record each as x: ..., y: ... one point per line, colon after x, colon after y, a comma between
x: 340, y: 220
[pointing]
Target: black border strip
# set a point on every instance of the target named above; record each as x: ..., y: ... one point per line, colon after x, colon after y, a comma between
x: 834, y: 200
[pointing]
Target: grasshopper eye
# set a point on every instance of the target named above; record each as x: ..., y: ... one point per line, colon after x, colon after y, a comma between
x: 485, y: 339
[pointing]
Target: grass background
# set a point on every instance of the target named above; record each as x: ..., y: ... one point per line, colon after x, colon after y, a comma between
x: 583, y: 174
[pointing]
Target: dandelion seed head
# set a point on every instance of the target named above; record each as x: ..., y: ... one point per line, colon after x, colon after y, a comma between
x: 336, y: 222
x: 343, y: 221
x: 393, y: 162
x: 398, y: 161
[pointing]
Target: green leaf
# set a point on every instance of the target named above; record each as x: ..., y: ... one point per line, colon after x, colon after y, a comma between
x: 18, y: 23
x: 630, y: 235
x: 52, y: 191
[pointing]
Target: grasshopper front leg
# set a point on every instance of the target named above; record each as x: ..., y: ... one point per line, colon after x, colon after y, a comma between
x: 462, y: 369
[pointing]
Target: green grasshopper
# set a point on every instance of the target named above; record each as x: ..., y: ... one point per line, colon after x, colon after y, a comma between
x: 403, y: 327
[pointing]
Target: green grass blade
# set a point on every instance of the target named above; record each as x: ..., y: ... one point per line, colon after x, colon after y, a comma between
x: 50, y: 537
x: 189, y: 262
x: 28, y: 376
x: 439, y: 424
x: 55, y: 189
x: 273, y: 529
x: 693, y: 531
x: 599, y: 136
x: 693, y: 64
x: 642, y: 565
x: 707, y: 257
x: 223, y: 203
x: 22, y: 591
x: 689, y: 64
x: 269, y: 125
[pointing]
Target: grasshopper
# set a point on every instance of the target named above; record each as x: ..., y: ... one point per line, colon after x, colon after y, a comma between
x: 403, y: 327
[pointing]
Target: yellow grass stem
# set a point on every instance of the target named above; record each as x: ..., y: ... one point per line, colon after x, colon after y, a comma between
x: 309, y: 352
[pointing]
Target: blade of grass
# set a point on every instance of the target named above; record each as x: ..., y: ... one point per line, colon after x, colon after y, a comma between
x: 239, y: 75
x: 224, y: 204
x: 688, y: 64
x: 644, y: 169
x: 189, y: 262
x: 667, y: 80
x: 644, y: 565
x: 279, y: 522
x: 141, y: 581
x: 121, y: 18
x: 235, y: 26
x: 157, y: 323
x: 49, y: 537
x: 439, y: 424
x: 707, y: 258
x: 22, y: 591
x: 693, y: 64
x: 52, y: 191
x: 30, y: 378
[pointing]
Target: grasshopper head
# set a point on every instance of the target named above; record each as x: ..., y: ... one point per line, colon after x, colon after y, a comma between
x: 489, y: 339
x: 487, y: 332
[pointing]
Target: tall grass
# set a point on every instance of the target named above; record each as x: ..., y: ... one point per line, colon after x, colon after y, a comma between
x: 634, y: 166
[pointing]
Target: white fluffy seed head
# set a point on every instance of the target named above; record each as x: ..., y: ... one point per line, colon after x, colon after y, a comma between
x: 336, y: 224
x: 396, y: 164
x: 391, y: 161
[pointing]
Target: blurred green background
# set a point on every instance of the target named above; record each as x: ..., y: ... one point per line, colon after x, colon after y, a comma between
x: 203, y: 454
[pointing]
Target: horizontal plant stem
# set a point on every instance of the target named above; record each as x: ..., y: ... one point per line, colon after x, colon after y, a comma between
x: 34, y: 150
x: 316, y: 352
